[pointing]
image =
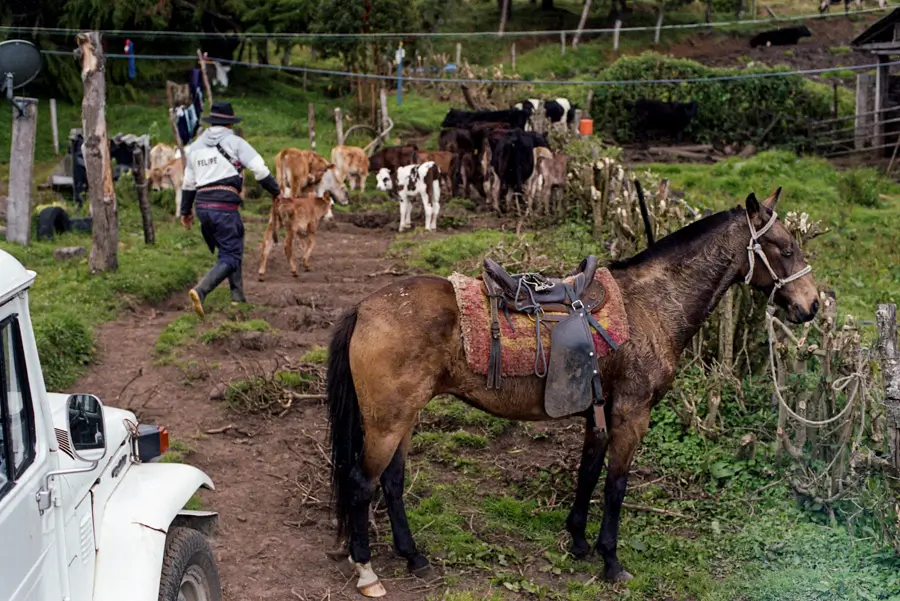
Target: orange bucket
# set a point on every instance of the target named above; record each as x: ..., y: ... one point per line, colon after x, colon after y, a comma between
x: 586, y: 127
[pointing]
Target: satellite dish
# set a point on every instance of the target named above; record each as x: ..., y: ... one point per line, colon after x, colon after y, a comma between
x: 20, y: 63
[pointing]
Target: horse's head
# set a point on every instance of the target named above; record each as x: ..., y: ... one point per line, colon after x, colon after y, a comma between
x: 776, y: 263
x: 330, y: 182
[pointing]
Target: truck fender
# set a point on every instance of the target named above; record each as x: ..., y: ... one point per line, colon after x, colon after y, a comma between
x: 136, y: 520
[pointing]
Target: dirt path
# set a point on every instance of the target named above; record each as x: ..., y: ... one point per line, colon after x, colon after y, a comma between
x: 270, y: 473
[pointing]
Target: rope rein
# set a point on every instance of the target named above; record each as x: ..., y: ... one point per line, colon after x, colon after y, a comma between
x: 754, y: 248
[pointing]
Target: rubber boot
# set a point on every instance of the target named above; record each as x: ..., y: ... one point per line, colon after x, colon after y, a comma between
x: 213, y: 278
x: 236, y: 283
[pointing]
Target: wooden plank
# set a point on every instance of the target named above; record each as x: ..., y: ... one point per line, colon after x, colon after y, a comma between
x: 865, y: 107
x: 105, y: 244
x: 21, y: 172
x: 886, y: 320
x: 882, y: 84
x: 339, y: 123
x: 201, y: 58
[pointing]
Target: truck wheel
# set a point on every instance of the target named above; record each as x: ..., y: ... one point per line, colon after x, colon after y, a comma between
x: 189, y: 571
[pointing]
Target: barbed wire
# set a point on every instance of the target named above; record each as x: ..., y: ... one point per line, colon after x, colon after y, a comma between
x: 459, y: 80
x: 138, y: 33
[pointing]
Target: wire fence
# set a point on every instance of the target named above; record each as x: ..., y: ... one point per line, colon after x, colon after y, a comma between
x: 139, y: 33
x: 461, y: 80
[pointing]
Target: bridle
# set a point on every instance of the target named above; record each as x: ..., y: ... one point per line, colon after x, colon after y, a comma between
x: 754, y: 248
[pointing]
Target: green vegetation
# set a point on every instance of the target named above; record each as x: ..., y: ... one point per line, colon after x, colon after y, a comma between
x: 228, y: 328
x: 317, y: 354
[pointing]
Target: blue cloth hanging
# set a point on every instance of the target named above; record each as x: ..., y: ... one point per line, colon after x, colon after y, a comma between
x: 129, y: 50
x: 195, y: 82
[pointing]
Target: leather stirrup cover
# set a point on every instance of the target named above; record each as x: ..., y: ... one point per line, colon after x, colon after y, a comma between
x: 571, y: 368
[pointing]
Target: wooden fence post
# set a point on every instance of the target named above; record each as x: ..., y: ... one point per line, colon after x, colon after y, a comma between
x: 206, y: 87
x: 659, y: 22
x: 886, y: 318
x: 576, y: 122
x: 140, y: 182
x: 562, y: 43
x: 54, y: 123
x: 513, y: 57
x: 618, y: 26
x: 339, y: 123
x: 311, y: 114
x: 105, y: 244
x: 458, y: 55
x: 21, y: 172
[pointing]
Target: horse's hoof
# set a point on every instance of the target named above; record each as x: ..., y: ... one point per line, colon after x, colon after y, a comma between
x: 376, y: 589
x: 294, y: 273
x: 261, y: 278
x: 620, y: 576
x: 581, y: 551
x: 426, y: 573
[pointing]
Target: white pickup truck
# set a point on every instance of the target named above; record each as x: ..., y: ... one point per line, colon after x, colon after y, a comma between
x: 86, y: 514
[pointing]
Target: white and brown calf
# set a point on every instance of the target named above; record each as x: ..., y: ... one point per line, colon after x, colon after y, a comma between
x: 351, y: 163
x: 300, y: 217
x: 549, y: 175
x: 409, y: 182
x: 161, y: 155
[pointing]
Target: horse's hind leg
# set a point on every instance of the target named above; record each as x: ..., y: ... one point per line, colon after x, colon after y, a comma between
x: 588, y: 474
x: 392, y: 486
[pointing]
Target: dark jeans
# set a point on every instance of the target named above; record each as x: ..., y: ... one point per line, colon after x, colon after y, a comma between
x: 223, y: 230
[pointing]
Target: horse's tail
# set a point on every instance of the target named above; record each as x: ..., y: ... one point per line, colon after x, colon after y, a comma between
x: 345, y: 420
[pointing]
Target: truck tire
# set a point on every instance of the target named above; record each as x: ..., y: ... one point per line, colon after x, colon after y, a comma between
x: 189, y: 571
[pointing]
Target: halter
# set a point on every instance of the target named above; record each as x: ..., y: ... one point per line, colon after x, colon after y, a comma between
x: 754, y: 248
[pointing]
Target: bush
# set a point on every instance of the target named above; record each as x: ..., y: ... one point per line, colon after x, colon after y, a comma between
x: 730, y: 111
x: 861, y: 187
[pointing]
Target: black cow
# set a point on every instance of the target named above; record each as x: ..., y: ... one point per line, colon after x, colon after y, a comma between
x: 460, y: 118
x: 512, y: 161
x: 458, y: 141
x: 668, y: 117
x: 786, y: 36
x: 393, y: 157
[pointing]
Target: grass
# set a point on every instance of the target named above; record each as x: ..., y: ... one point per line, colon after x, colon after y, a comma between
x: 228, y: 328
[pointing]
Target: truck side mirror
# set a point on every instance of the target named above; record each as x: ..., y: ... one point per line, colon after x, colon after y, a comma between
x: 86, y: 427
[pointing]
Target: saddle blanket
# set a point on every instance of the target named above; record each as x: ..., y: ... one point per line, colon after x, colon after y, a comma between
x: 519, y: 347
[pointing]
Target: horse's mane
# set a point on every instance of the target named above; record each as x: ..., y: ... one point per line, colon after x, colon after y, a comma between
x: 679, y: 239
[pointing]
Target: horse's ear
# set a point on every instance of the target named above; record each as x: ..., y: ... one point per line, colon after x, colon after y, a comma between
x: 752, y: 205
x: 771, y: 201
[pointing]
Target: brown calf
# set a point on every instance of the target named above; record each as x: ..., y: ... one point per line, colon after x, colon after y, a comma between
x: 352, y: 162
x: 393, y: 157
x: 296, y: 170
x: 300, y: 216
x: 170, y: 175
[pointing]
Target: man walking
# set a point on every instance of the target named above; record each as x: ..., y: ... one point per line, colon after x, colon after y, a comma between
x: 213, y: 175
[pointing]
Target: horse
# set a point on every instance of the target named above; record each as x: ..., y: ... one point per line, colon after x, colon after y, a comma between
x: 399, y: 347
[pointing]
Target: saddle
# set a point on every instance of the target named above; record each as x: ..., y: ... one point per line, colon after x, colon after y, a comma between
x: 567, y: 303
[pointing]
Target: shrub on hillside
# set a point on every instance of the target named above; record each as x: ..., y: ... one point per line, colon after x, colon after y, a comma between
x: 730, y: 111
x: 861, y: 187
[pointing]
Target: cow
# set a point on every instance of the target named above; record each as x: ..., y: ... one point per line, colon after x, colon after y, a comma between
x: 531, y: 106
x: 457, y: 141
x: 161, y: 154
x: 668, y: 117
x: 786, y: 36
x: 300, y: 217
x: 549, y: 175
x: 447, y: 162
x: 512, y: 162
x: 352, y: 163
x: 410, y: 181
x: 560, y: 113
x: 470, y: 174
x: 393, y: 157
x: 297, y: 169
x: 511, y: 117
x: 169, y: 175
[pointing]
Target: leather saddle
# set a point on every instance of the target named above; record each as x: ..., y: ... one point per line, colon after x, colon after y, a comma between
x: 572, y: 372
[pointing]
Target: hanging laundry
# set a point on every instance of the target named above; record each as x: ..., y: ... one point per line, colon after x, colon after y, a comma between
x: 181, y: 123
x: 129, y: 50
x: 195, y: 82
x: 192, y: 121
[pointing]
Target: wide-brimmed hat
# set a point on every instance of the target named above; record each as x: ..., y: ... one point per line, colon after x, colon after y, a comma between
x: 221, y: 114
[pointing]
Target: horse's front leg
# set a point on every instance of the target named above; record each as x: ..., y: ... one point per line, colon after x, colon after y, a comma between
x: 592, y: 454
x: 625, y: 435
